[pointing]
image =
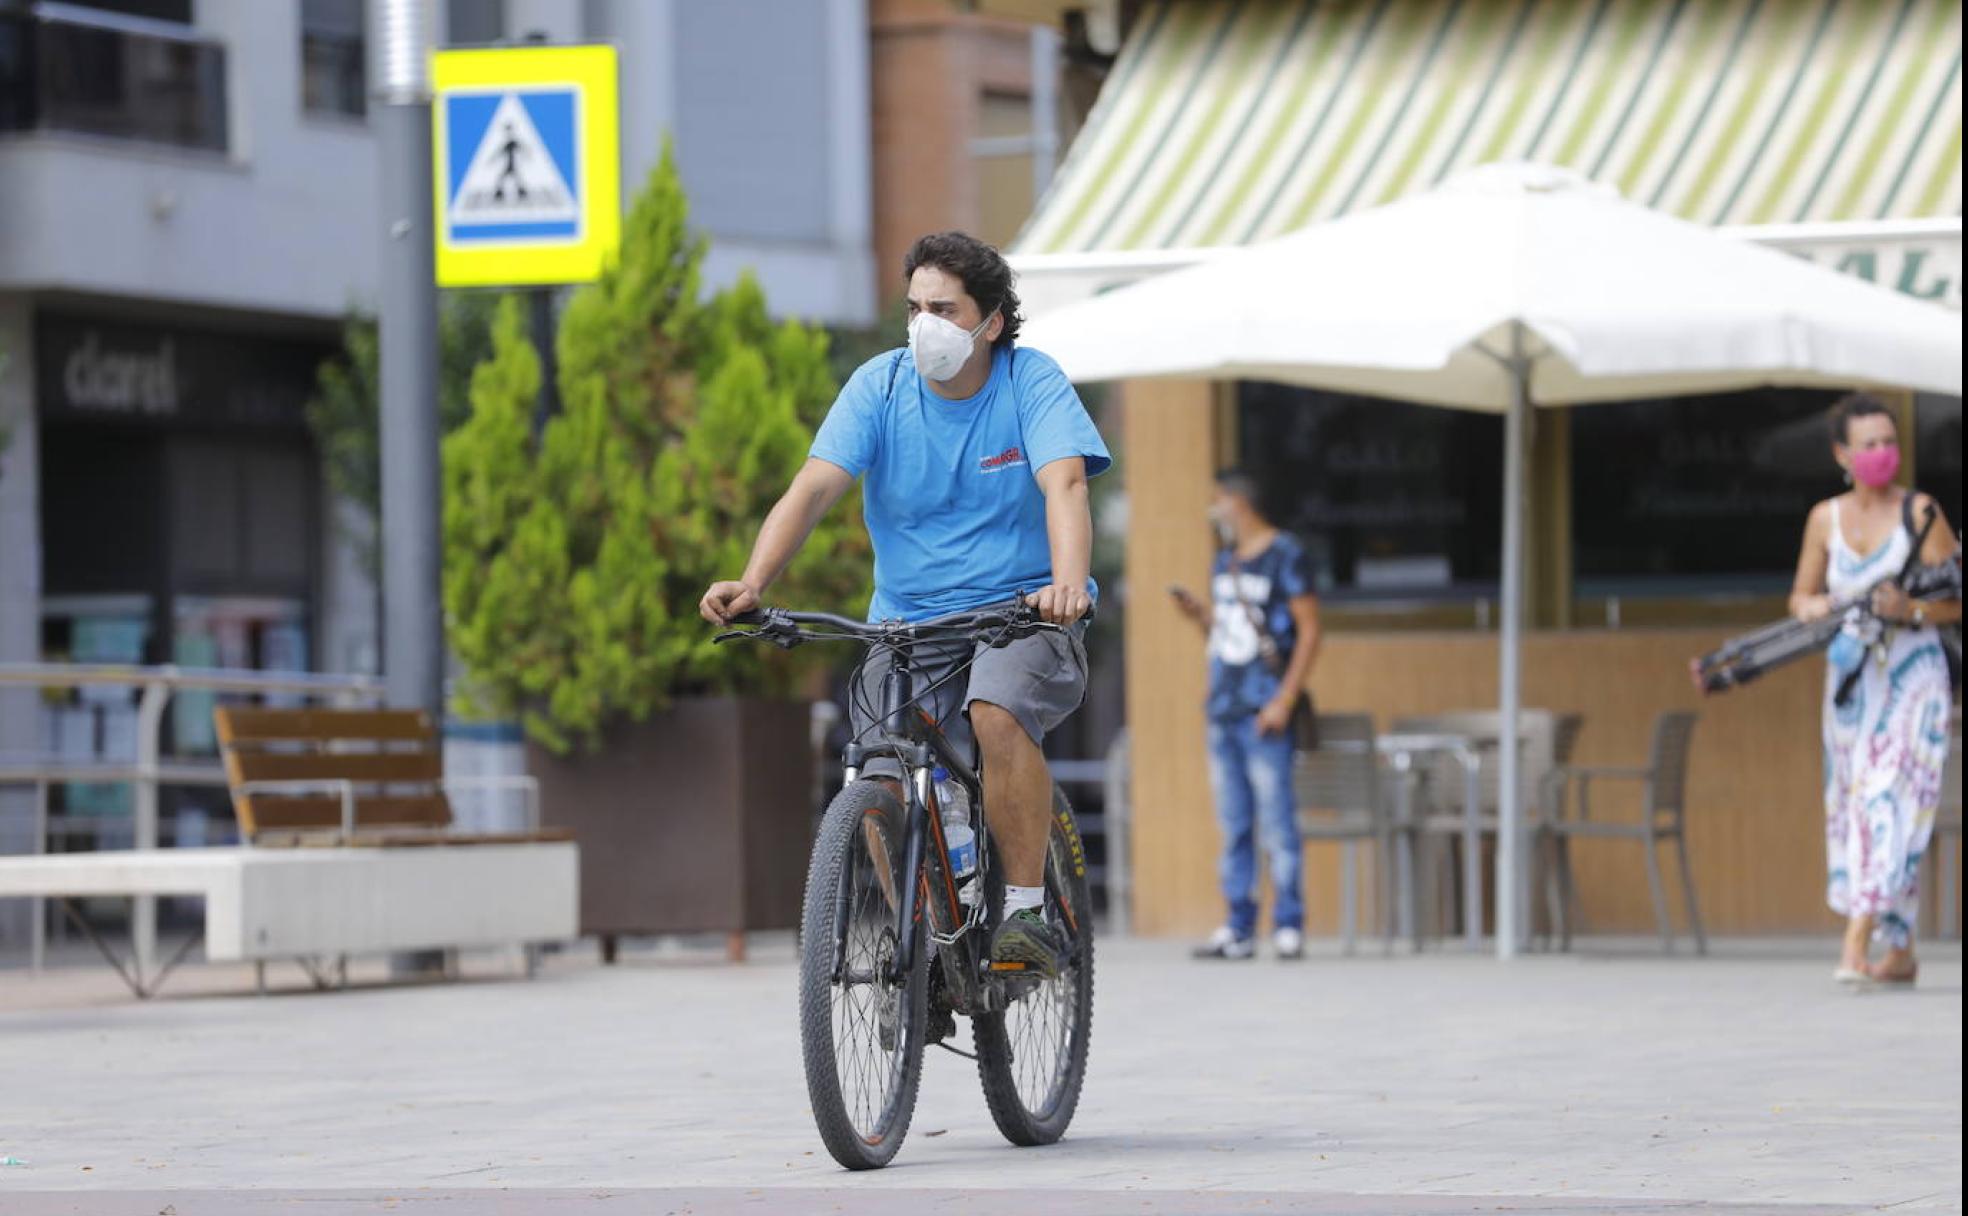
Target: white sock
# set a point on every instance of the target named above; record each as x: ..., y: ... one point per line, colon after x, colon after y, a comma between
x: 1017, y: 898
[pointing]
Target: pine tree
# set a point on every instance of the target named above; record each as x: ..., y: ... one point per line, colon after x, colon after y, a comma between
x: 573, y: 564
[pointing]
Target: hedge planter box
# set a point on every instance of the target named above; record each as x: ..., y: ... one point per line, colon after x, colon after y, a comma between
x: 693, y: 821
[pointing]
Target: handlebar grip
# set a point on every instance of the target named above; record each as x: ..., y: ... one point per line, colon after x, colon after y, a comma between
x: 755, y: 616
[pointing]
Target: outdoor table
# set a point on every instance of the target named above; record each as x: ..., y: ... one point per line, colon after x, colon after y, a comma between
x: 1401, y: 749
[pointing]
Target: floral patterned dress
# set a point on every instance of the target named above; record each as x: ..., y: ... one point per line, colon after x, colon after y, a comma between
x: 1885, y: 750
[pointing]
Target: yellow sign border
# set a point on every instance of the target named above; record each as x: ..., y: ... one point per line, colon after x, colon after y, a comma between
x: 592, y: 70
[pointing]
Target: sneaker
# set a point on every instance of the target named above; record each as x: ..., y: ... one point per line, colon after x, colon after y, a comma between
x: 1026, y: 938
x: 1289, y: 943
x: 1224, y: 943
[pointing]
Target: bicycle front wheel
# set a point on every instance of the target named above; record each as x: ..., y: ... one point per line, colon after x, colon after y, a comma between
x: 1032, y: 1056
x: 861, y: 1031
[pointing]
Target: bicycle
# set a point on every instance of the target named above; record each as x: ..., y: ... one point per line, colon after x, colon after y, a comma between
x: 882, y: 903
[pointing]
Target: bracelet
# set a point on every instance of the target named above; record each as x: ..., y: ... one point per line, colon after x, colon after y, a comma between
x: 1920, y: 616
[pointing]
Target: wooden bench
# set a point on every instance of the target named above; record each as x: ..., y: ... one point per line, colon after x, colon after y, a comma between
x: 365, y: 778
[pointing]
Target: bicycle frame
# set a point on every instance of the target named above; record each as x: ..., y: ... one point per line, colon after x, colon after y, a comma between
x: 913, y: 741
x: 917, y: 743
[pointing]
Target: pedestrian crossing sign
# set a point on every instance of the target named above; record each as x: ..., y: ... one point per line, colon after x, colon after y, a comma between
x: 526, y: 165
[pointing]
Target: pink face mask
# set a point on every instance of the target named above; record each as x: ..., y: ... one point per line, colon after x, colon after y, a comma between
x: 1876, y: 467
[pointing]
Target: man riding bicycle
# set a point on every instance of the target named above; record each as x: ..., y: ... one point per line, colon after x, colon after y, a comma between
x: 976, y: 455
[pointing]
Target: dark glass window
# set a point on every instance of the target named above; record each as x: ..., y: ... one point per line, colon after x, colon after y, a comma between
x: 1393, y: 500
x: 1692, y: 494
x: 177, y: 12
x: 1937, y: 452
x: 474, y: 22
x: 333, y: 75
x: 94, y: 71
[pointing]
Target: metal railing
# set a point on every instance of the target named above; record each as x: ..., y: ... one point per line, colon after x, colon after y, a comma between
x: 149, y: 770
x: 1110, y: 776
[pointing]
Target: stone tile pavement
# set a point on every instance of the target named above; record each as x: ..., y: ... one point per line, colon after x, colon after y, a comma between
x: 1614, y: 1080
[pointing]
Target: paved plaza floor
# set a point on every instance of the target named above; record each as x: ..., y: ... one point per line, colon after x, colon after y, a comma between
x: 1613, y: 1080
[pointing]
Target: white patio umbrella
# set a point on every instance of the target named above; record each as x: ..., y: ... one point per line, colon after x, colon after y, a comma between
x: 1511, y: 286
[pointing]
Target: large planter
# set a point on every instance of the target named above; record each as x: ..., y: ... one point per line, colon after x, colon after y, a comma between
x: 695, y: 820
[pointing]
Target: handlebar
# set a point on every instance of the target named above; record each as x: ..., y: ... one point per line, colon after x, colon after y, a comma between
x: 785, y: 628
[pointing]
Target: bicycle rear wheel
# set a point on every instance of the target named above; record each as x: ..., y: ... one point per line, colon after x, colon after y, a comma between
x: 861, y: 1032
x: 1032, y: 1056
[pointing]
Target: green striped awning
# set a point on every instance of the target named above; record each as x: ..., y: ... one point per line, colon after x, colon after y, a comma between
x: 1229, y: 121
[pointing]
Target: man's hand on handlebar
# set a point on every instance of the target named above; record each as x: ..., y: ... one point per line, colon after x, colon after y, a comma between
x: 725, y: 601
x: 1060, y: 603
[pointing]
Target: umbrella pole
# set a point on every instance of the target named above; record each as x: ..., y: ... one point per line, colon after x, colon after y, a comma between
x: 1509, y: 901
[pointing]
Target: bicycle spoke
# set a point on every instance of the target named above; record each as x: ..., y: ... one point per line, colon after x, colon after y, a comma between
x: 1039, y: 1028
x: 866, y: 995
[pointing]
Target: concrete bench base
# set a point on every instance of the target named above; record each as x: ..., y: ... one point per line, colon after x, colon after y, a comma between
x: 266, y: 904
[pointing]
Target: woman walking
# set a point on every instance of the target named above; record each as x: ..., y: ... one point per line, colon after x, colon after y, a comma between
x: 1886, y: 740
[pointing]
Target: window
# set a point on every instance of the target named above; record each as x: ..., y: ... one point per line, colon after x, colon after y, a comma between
x: 474, y: 22
x: 1004, y: 165
x: 178, y: 12
x: 1689, y: 494
x: 1392, y: 500
x: 130, y: 71
x: 333, y: 77
x: 1937, y: 452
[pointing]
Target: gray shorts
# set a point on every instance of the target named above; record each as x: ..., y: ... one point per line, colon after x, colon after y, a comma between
x: 1039, y: 680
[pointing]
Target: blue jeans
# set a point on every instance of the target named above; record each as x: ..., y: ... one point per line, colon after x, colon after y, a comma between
x: 1252, y: 777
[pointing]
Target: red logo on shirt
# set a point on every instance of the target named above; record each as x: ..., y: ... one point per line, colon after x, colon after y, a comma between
x: 1009, y: 456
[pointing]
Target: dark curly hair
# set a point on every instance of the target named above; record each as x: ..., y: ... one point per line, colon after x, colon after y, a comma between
x: 980, y: 267
x: 1855, y: 405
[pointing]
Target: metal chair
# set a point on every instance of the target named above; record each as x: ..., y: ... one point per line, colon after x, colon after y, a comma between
x: 1565, y: 730
x: 1944, y: 853
x: 1338, y: 794
x: 1663, y: 816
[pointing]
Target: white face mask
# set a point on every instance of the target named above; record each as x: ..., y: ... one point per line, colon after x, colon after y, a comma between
x: 942, y: 347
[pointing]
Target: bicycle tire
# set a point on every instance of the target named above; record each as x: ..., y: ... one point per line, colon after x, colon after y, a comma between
x: 857, y: 1133
x: 1003, y: 1037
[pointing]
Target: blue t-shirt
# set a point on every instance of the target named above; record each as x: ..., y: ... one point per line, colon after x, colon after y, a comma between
x: 1240, y: 682
x: 952, y: 497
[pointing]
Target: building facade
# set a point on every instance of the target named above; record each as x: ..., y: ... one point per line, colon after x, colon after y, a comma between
x: 188, y: 203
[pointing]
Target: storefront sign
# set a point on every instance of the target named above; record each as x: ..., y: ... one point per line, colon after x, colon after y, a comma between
x: 111, y: 370
x: 1927, y: 269
x: 121, y: 381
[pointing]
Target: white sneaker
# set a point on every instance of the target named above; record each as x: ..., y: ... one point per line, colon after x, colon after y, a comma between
x: 1289, y: 943
x: 1225, y: 944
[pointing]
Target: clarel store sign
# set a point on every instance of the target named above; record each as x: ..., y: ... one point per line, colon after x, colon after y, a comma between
x: 152, y: 375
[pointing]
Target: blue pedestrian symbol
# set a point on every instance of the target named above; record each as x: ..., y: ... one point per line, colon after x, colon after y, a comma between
x: 511, y: 164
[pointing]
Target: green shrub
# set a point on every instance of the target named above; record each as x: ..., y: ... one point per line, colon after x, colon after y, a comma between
x: 573, y: 566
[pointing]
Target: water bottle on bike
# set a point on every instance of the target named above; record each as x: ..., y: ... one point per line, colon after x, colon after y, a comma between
x: 953, y: 805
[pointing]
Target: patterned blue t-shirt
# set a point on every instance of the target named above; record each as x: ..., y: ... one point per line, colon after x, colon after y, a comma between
x: 952, y: 497
x: 1240, y: 683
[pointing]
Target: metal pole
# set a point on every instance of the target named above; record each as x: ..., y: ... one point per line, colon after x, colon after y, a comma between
x: 413, y: 621
x: 150, y: 729
x: 413, y: 627
x: 38, y: 917
x: 1515, y: 428
x: 547, y: 402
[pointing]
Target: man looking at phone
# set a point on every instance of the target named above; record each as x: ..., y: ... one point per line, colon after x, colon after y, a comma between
x: 1263, y: 629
